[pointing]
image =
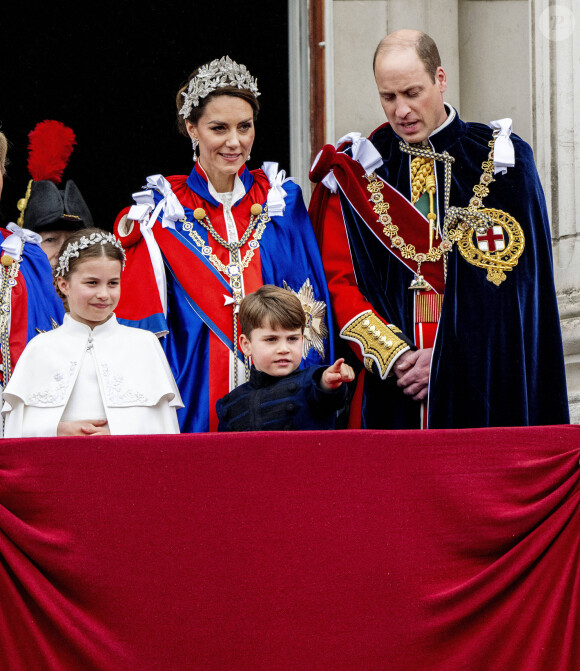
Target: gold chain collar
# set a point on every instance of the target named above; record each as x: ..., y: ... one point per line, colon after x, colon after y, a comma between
x: 9, y: 268
x: 233, y: 270
x: 461, y: 218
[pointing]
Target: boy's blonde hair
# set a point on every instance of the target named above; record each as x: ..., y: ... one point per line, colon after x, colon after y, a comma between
x: 273, y: 307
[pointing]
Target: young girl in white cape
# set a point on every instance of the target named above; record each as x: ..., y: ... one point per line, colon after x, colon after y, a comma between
x: 91, y: 375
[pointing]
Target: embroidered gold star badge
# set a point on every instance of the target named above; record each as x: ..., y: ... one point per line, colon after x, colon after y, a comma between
x: 315, y: 330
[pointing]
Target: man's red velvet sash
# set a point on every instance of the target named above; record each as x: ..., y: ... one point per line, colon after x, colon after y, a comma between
x: 413, y: 226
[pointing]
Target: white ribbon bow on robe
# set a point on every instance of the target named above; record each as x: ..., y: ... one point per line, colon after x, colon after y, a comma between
x: 13, y: 244
x: 503, y: 149
x: 146, y: 213
x: 276, y: 194
x: 363, y: 151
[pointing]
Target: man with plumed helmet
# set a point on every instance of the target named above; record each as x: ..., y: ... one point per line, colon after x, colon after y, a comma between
x: 29, y: 302
x: 52, y: 210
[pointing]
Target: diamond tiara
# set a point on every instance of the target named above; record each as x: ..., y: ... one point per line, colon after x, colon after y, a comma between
x: 216, y: 75
x: 73, y: 249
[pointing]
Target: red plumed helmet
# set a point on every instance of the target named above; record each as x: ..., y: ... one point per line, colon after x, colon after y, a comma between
x: 50, y: 145
x: 46, y: 206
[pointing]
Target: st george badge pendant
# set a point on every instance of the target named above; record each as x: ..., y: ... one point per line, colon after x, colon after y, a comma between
x: 419, y: 283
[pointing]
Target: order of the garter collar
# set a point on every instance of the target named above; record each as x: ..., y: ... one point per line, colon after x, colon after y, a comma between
x: 215, y: 75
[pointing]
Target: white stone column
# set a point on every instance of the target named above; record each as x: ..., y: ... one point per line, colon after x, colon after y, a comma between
x: 555, y: 34
x: 358, y: 26
x: 299, y: 92
x: 440, y: 20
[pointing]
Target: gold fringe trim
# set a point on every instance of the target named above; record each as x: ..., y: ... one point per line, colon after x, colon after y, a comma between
x: 428, y: 307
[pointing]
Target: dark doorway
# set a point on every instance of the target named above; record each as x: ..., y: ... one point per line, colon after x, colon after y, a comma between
x: 112, y: 77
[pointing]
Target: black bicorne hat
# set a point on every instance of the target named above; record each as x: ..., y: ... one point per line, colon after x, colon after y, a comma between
x: 46, y: 207
x: 52, y: 209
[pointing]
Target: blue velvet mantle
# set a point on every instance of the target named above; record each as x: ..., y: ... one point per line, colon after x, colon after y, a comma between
x: 498, y: 358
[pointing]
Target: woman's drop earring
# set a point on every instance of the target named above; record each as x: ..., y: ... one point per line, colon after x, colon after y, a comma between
x: 194, y: 144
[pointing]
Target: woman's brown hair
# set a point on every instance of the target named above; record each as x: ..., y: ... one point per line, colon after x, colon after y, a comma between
x: 197, y: 112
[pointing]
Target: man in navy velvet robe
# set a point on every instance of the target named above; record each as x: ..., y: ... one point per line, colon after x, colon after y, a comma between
x: 436, y: 245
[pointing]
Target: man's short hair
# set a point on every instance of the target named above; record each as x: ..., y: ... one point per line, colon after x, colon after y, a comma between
x: 271, y: 307
x: 3, y: 152
x: 424, y: 46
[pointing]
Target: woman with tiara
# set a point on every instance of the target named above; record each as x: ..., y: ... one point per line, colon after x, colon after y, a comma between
x: 197, y: 244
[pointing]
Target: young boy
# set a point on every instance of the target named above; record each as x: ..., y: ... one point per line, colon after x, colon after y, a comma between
x: 279, y: 396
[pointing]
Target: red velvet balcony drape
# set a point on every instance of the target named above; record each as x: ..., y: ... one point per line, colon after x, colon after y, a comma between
x: 438, y: 550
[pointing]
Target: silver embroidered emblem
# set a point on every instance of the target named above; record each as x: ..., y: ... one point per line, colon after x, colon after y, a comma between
x: 315, y: 330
